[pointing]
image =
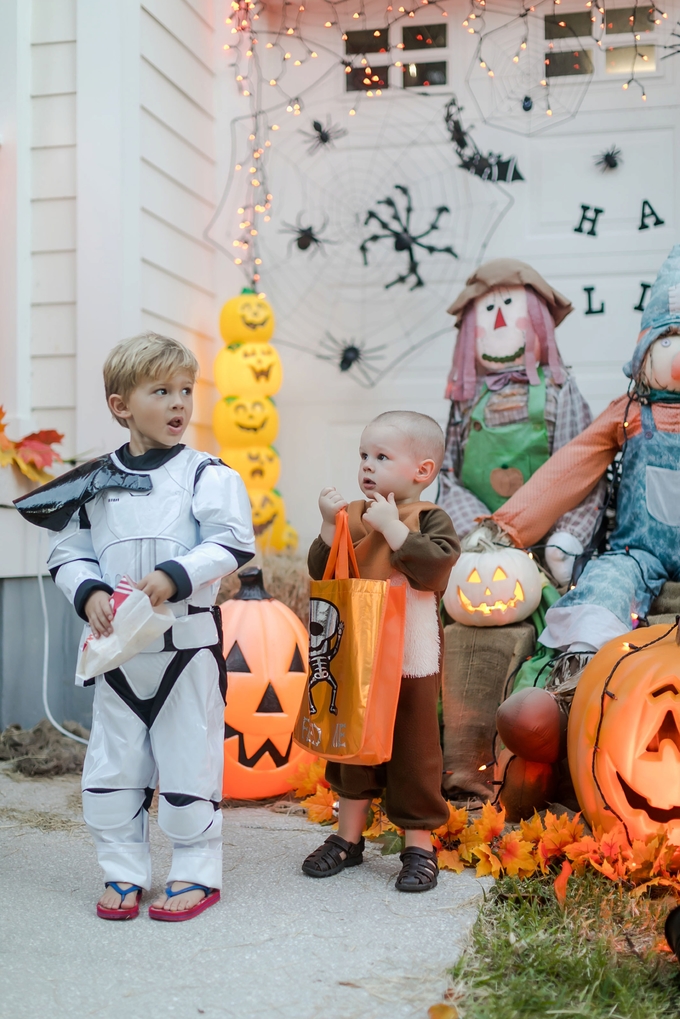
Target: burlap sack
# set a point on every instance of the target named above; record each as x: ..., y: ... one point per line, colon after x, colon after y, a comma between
x: 477, y: 664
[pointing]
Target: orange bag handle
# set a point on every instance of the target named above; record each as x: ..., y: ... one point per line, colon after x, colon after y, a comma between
x: 342, y: 557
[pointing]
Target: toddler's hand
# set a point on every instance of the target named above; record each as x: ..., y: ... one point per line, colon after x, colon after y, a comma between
x: 99, y: 613
x: 158, y: 586
x: 330, y: 504
x: 383, y: 515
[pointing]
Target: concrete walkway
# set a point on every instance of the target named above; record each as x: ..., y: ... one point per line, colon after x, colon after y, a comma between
x: 279, y: 944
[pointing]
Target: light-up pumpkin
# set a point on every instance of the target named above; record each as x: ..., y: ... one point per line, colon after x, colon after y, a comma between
x: 248, y: 369
x: 259, y: 466
x: 242, y: 421
x: 247, y: 318
x: 265, y: 646
x: 637, y: 761
x: 493, y: 588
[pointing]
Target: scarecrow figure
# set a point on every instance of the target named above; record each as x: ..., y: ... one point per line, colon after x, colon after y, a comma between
x: 513, y: 404
x: 619, y: 587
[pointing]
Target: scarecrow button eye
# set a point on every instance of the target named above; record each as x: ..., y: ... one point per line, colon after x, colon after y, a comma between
x: 499, y: 574
x: 508, y: 300
x: 665, y: 343
x: 474, y: 578
x: 490, y: 307
x: 316, y: 629
x: 235, y: 660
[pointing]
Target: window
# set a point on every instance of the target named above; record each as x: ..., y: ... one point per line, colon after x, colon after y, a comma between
x: 361, y: 79
x: 424, y: 74
x: 568, y: 26
x: 620, y: 59
x: 370, y: 40
x: 620, y: 19
x: 571, y: 62
x: 422, y: 37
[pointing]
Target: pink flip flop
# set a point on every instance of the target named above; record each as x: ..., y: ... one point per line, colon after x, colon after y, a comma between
x: 212, y: 896
x: 120, y: 912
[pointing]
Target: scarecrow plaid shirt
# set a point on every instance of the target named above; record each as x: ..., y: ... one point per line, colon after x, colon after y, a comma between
x: 566, y: 414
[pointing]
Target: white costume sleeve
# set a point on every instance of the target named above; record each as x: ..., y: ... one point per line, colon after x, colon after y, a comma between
x: 222, y: 509
x: 73, y: 563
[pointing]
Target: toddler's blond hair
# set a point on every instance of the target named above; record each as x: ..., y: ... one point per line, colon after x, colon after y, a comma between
x: 149, y: 356
x: 425, y: 435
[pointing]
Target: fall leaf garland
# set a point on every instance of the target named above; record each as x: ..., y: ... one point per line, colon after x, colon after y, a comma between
x: 32, y: 454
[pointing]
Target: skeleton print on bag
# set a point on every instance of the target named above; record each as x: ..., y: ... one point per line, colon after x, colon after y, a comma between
x: 325, y: 634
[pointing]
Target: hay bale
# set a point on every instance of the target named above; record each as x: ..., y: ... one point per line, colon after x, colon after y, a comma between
x: 43, y: 751
x: 285, y: 577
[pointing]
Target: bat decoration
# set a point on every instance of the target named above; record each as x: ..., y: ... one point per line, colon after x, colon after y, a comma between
x: 609, y: 160
x: 491, y: 166
x: 403, y: 237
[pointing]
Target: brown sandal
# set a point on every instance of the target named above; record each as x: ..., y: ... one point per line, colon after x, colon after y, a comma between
x: 419, y: 873
x: 327, y: 859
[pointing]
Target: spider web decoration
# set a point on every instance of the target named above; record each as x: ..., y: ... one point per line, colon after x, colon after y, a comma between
x: 509, y: 79
x: 400, y: 139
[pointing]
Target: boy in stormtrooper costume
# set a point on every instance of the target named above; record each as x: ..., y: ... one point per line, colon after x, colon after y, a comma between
x: 175, y: 521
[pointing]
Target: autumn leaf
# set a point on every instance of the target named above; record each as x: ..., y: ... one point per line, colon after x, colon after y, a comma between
x: 38, y: 453
x: 516, y: 855
x: 490, y: 825
x: 614, y: 842
x: 448, y: 859
x: 46, y: 436
x: 488, y: 861
x: 468, y: 839
x: 308, y: 775
x: 559, y: 833
x: 380, y: 823
x: 442, y: 1012
x: 561, y: 883
x: 319, y: 807
x: 392, y: 842
x: 456, y: 821
x: 532, y: 830
x: 587, y: 848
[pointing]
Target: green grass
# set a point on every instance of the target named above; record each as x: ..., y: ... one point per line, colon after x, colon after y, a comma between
x: 530, y: 960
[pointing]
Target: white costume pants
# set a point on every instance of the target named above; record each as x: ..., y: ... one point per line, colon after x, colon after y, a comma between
x: 159, y: 719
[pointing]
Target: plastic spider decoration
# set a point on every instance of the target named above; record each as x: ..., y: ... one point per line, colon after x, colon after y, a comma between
x: 351, y: 355
x: 402, y: 236
x: 491, y: 167
x: 609, y: 160
x: 322, y: 137
x: 306, y: 237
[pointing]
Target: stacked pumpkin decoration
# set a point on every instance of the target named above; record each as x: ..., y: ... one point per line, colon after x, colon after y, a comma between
x: 247, y: 373
x: 624, y: 735
x: 265, y: 646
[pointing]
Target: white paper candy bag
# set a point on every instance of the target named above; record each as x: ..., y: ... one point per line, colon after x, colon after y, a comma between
x: 136, y: 624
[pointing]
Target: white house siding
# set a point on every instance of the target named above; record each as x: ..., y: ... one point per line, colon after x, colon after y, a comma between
x: 53, y: 215
x: 177, y: 186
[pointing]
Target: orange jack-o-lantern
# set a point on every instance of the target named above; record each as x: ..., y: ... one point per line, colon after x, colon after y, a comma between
x: 242, y: 421
x: 265, y: 645
x: 493, y: 588
x: 259, y: 466
x: 624, y: 735
x: 272, y: 532
x: 248, y: 369
x: 247, y: 318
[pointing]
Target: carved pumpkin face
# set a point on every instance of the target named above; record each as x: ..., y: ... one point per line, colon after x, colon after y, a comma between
x: 250, y: 369
x: 242, y: 421
x: 502, y: 320
x: 637, y: 764
x: 247, y: 318
x: 265, y: 645
x: 493, y: 588
x: 259, y: 466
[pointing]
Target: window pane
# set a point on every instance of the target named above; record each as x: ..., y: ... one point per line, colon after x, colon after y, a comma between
x: 558, y: 65
x: 360, y: 79
x: 424, y: 74
x: 568, y: 26
x: 619, y: 59
x: 420, y: 37
x: 370, y: 40
x: 620, y: 19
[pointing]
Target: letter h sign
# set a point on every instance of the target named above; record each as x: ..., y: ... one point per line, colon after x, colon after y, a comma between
x: 585, y: 218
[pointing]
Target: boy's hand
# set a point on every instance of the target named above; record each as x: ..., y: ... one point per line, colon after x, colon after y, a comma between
x: 158, y: 586
x: 99, y: 613
x: 383, y: 516
x: 330, y: 504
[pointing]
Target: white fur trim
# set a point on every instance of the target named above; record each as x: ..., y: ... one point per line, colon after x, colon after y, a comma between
x: 421, y: 631
x: 674, y: 298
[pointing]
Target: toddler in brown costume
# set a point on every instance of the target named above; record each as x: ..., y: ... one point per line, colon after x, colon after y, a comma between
x: 395, y: 533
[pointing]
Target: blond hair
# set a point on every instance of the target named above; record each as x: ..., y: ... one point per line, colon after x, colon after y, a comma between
x: 145, y: 357
x: 425, y: 434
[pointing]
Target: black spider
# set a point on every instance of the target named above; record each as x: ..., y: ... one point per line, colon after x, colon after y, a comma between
x: 403, y: 239
x: 491, y: 167
x: 305, y: 237
x: 322, y: 136
x: 350, y: 355
x: 609, y: 160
